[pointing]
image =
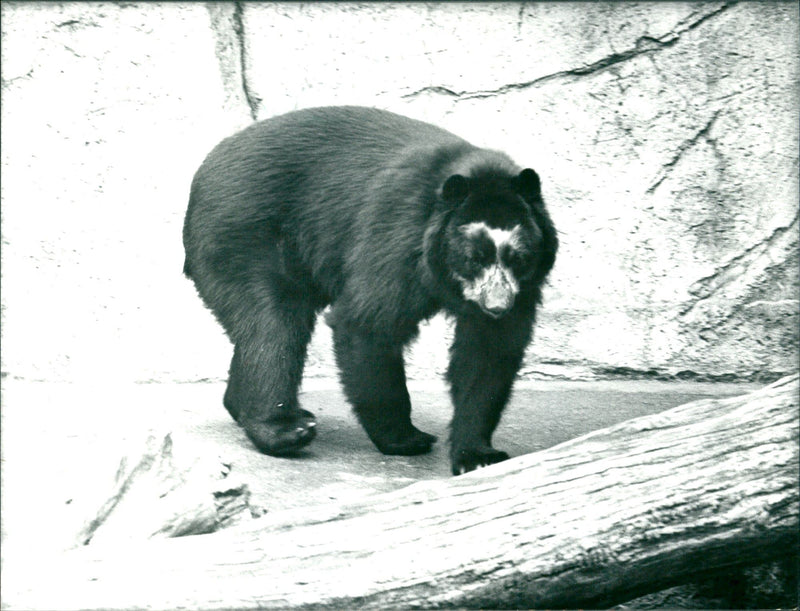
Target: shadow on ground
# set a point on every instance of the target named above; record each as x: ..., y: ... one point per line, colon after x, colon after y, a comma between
x: 61, y: 439
x: 62, y: 445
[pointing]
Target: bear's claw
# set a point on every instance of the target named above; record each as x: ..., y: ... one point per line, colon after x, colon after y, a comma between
x: 465, y: 461
x: 416, y: 442
x: 282, y: 436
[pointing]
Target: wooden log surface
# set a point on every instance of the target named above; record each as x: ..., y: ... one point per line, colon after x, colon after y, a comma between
x: 633, y: 508
x: 157, y: 494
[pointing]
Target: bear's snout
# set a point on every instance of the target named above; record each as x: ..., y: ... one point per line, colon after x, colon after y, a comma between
x: 498, y: 291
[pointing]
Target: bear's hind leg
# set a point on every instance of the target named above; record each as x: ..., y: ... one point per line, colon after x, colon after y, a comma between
x: 374, y: 381
x: 275, y: 426
x: 265, y: 374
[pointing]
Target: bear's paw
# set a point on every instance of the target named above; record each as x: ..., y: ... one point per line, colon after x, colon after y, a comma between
x: 284, y: 435
x: 467, y: 460
x: 411, y: 443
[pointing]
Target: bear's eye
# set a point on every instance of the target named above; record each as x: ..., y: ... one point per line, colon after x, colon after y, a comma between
x: 520, y: 261
x: 481, y: 252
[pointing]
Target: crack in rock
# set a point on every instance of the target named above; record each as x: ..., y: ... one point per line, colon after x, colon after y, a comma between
x: 644, y: 44
x: 737, y: 267
x: 253, y: 101
x: 435, y: 89
x: 7, y: 82
x: 702, y: 134
x: 227, y: 25
x: 520, y: 18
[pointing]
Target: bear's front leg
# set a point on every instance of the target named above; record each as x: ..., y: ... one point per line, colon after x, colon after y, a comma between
x: 374, y: 381
x: 485, y: 357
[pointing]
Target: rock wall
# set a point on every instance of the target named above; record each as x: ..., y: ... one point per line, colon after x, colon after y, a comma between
x: 666, y: 136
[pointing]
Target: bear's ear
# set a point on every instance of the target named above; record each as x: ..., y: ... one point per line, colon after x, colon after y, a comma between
x: 455, y: 189
x: 529, y: 186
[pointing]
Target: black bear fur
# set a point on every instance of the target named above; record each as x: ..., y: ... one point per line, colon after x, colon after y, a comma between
x: 364, y: 210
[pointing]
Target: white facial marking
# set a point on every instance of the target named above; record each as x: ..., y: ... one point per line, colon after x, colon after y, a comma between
x: 491, y: 286
x: 496, y: 287
x: 500, y: 237
x: 472, y: 288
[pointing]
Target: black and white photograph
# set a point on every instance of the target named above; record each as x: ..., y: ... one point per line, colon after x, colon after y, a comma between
x: 400, y: 305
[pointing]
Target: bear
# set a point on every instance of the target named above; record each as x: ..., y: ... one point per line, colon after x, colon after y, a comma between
x: 384, y: 220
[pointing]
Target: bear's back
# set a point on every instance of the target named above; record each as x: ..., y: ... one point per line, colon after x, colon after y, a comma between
x: 322, y: 183
x: 353, y: 130
x: 316, y: 156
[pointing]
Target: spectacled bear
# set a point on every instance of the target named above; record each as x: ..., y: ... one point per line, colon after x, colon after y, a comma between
x: 388, y: 220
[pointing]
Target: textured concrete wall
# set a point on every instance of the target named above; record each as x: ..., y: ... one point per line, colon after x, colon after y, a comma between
x: 666, y: 136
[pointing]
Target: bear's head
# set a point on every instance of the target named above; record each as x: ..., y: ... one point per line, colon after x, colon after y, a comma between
x: 498, y: 239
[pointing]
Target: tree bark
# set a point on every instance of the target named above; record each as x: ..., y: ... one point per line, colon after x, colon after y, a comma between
x: 630, y: 509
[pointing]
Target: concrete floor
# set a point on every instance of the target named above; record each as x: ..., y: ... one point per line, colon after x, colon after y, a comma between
x: 62, y: 443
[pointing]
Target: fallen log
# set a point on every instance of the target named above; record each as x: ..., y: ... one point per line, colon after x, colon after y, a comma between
x: 643, y: 505
x: 157, y: 494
